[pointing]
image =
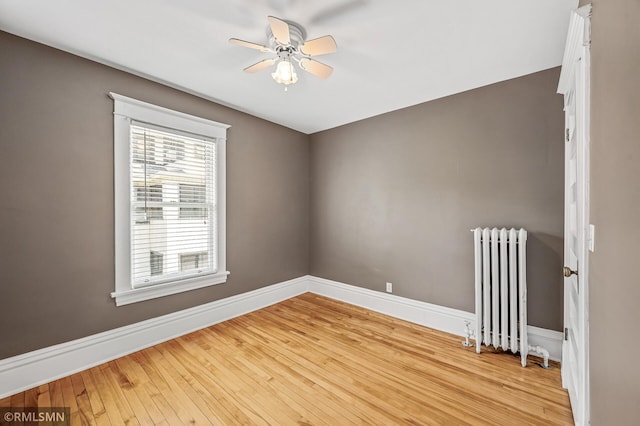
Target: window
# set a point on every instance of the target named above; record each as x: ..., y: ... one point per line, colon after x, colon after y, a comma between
x: 155, y: 262
x: 173, y: 150
x: 156, y: 150
x: 193, y: 201
x: 170, y: 201
x: 148, y: 203
x: 193, y: 261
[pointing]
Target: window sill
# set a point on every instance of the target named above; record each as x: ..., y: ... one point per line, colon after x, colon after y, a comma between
x: 126, y: 297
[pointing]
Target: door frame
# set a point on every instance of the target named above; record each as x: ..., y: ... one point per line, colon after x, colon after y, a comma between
x: 574, y: 77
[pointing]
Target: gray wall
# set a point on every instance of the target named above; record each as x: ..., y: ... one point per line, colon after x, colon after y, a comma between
x: 56, y: 210
x: 393, y: 197
x: 615, y: 212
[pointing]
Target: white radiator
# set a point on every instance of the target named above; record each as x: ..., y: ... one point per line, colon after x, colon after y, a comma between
x: 501, y: 290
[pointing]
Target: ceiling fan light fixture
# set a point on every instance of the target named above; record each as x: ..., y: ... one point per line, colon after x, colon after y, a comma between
x: 285, y: 73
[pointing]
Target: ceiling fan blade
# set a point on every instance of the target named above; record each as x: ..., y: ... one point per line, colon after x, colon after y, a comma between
x: 249, y: 44
x: 280, y: 30
x: 316, y: 68
x: 260, y: 65
x: 319, y: 46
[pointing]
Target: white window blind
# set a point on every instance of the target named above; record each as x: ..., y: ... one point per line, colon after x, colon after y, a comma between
x: 173, y: 204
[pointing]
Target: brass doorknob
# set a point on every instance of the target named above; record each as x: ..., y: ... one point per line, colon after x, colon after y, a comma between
x: 567, y: 272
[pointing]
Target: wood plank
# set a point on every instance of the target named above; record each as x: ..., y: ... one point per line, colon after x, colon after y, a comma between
x: 250, y: 392
x: 18, y: 400
x: 311, y: 376
x: 95, y: 399
x: 201, y: 397
x: 122, y: 389
x: 81, y: 397
x: 6, y: 402
x: 117, y: 411
x: 236, y: 408
x: 44, y: 398
x: 132, y: 376
x: 150, y: 389
x: 364, y: 387
x: 69, y: 400
x: 309, y: 360
x: 173, y: 387
x: 55, y: 394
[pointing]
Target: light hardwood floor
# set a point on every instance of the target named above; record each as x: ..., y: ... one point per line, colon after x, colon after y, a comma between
x: 309, y: 360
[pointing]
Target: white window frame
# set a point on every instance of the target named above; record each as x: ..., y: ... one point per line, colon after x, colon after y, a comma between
x: 125, y: 110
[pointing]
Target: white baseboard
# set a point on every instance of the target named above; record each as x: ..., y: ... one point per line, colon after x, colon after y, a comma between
x: 433, y: 316
x: 32, y: 369
x: 422, y: 313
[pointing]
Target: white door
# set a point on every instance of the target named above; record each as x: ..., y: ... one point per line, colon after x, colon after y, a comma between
x: 574, y: 84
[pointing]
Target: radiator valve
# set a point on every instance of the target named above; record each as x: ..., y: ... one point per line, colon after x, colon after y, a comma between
x: 468, y: 333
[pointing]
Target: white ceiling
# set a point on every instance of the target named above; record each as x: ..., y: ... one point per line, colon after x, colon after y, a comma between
x: 391, y: 54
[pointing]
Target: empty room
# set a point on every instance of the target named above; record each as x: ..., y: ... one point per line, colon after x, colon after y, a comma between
x: 303, y: 212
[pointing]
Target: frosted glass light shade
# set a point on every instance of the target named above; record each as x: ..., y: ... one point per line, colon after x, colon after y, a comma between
x: 285, y: 73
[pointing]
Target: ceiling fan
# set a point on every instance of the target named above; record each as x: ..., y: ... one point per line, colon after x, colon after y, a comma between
x: 287, y: 40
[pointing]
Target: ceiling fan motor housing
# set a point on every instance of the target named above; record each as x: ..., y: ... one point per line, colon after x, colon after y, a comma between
x: 285, y: 52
